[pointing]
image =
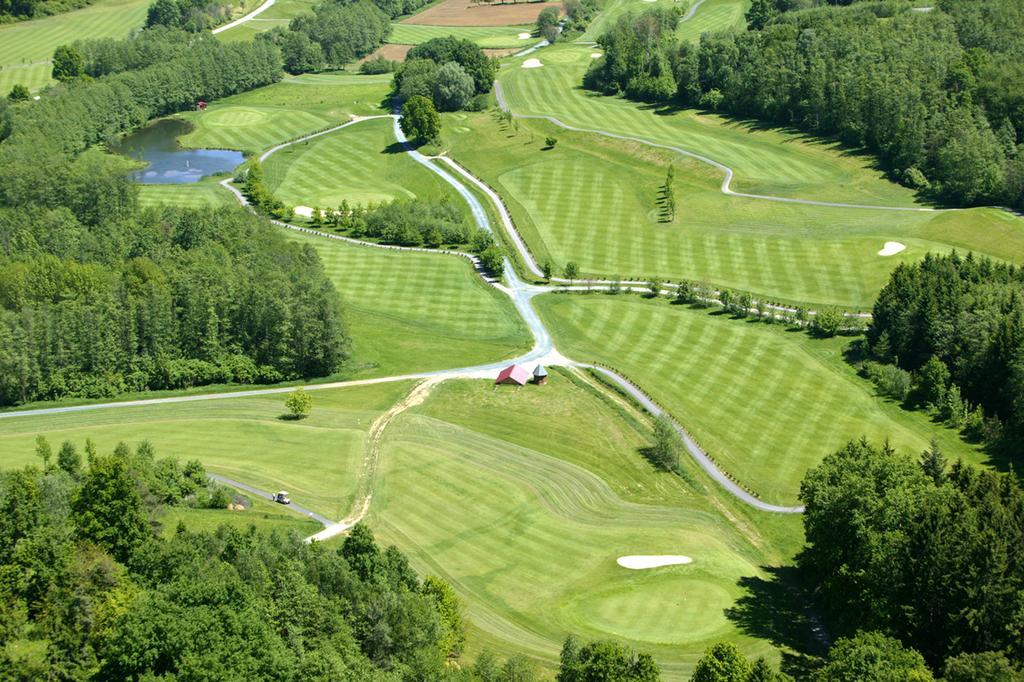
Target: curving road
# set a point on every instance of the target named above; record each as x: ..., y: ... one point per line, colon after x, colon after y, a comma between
x: 298, y: 509
x: 241, y: 20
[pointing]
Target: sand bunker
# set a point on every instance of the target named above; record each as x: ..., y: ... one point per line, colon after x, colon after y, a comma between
x: 596, y: 55
x: 304, y: 211
x: 637, y: 562
x: 532, y: 64
x: 524, y: 36
x: 892, y: 248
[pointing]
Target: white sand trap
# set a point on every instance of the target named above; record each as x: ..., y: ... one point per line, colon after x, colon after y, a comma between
x: 524, y: 36
x: 892, y: 248
x: 638, y: 562
x: 596, y: 55
x: 304, y: 211
x: 532, y: 64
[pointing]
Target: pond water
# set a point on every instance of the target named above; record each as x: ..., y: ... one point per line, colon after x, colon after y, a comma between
x: 157, y: 144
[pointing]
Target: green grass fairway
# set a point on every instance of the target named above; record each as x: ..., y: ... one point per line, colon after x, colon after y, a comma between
x: 611, y: 10
x: 206, y: 192
x: 361, y: 164
x: 243, y: 438
x: 592, y: 200
x: 415, y: 312
x: 255, y: 120
x: 766, y: 403
x: 279, y: 14
x: 484, y: 36
x: 524, y: 498
x: 765, y: 161
x: 715, y: 15
x: 263, y: 514
x: 26, y: 47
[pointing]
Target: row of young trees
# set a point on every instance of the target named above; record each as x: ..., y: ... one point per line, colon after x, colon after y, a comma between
x: 920, y: 550
x: 95, y: 592
x: 948, y: 333
x: 935, y: 95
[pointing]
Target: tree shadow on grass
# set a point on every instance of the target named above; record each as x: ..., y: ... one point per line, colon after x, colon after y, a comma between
x: 779, y: 609
x: 398, y: 147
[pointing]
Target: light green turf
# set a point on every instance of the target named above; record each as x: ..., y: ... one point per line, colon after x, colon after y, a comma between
x: 261, y: 513
x: 206, y: 192
x: 524, y: 498
x: 299, y: 105
x: 484, y: 36
x: 766, y: 403
x: 714, y: 15
x: 279, y: 14
x: 593, y: 200
x: 765, y: 161
x: 26, y: 47
x: 362, y: 164
x: 612, y: 10
x: 314, y: 459
x: 414, y: 312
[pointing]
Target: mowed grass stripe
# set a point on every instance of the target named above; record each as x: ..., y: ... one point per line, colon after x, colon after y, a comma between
x: 484, y: 36
x: 766, y: 403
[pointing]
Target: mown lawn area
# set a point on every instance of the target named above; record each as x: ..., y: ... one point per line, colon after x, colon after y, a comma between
x: 315, y: 459
x: 279, y: 14
x: 714, y: 15
x: 524, y: 498
x: 256, y: 120
x: 416, y: 312
x: 206, y: 192
x: 484, y: 36
x: 767, y: 403
x: 598, y: 202
x: 361, y: 164
x: 26, y: 47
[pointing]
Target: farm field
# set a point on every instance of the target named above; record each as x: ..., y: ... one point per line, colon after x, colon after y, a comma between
x: 296, y: 106
x: 361, y: 164
x: 765, y: 161
x: 492, y: 37
x: 765, y: 402
x: 206, y: 192
x: 594, y: 200
x: 242, y: 438
x: 416, y: 312
x: 479, y: 486
x: 26, y: 47
x: 469, y: 13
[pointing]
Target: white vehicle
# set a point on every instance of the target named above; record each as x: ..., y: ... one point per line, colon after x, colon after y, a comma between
x: 282, y: 498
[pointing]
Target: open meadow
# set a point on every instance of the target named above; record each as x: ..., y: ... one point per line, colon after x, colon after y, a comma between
x: 26, y: 47
x: 767, y: 403
x: 599, y: 202
x: 296, y: 106
x: 361, y: 164
x: 524, y: 498
x: 246, y: 439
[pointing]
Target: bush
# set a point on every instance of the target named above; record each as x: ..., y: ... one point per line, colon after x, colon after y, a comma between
x: 891, y: 381
x: 378, y: 65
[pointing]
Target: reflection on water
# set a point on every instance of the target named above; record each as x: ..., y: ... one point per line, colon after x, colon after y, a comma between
x: 169, y: 164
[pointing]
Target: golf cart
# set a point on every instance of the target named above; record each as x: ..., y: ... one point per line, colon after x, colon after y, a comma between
x: 282, y: 498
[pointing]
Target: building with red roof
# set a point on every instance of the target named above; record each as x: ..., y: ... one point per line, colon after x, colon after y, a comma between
x: 513, y: 374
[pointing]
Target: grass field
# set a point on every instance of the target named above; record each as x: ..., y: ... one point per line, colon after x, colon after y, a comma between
x: 765, y: 161
x: 593, y: 200
x: 26, y: 47
x: 206, y: 192
x: 484, y: 36
x: 279, y: 14
x: 243, y: 438
x: 714, y: 15
x: 413, y: 312
x: 765, y: 402
x: 256, y: 120
x: 261, y: 513
x: 524, y: 499
x: 361, y: 164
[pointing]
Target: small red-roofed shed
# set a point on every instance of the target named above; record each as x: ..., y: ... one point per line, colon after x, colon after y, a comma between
x: 513, y: 374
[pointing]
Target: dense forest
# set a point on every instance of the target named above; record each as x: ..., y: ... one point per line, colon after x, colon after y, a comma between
x: 949, y: 333
x: 937, y: 96
x: 451, y: 72
x: 921, y: 550
x: 99, y: 297
x: 93, y: 591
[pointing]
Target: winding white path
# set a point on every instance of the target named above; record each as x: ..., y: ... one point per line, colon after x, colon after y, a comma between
x: 241, y: 20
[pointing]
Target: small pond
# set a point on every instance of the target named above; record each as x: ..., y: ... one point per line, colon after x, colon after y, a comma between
x: 157, y: 144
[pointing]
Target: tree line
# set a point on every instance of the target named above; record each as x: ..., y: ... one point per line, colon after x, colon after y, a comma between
x: 923, y: 551
x: 19, y: 10
x: 936, y: 96
x: 100, y: 594
x: 947, y: 334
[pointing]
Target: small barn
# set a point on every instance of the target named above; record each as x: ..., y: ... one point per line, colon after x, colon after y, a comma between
x: 513, y: 374
x: 540, y: 375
